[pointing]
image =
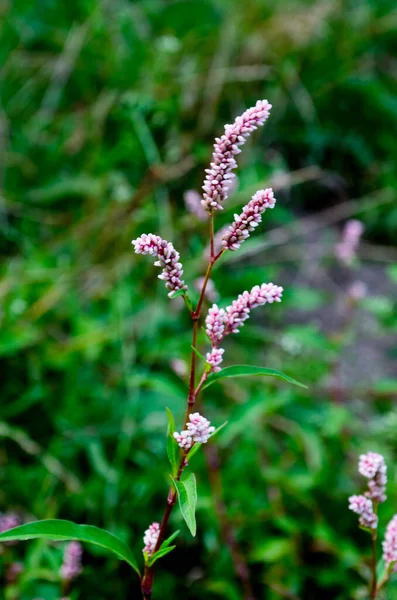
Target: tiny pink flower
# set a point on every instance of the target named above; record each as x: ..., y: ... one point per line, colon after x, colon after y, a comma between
x: 217, y: 181
x: 363, y: 507
x: 168, y: 259
x: 215, y: 358
x: 150, y: 538
x: 389, y: 544
x: 249, y: 219
x: 71, y: 566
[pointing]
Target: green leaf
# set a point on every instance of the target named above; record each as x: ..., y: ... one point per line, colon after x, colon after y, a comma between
x: 172, y: 446
x: 159, y: 554
x: 218, y: 429
x: 246, y: 371
x: 58, y: 530
x: 168, y: 541
x: 187, y: 497
x: 176, y: 294
x: 198, y: 354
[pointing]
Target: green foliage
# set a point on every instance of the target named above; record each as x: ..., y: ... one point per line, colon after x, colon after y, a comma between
x: 187, y: 498
x: 247, y: 371
x: 58, y: 530
x: 107, y: 115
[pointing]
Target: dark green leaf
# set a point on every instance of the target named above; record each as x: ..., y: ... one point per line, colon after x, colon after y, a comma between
x: 58, y: 530
x: 187, y: 496
x: 247, y: 371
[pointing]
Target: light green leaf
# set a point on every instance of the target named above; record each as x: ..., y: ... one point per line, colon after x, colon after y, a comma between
x: 172, y: 446
x: 160, y: 553
x: 198, y: 353
x: 58, y: 530
x: 246, y: 371
x: 176, y: 294
x: 187, y: 497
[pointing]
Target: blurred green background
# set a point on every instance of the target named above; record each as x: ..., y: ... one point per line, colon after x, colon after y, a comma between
x: 108, y: 110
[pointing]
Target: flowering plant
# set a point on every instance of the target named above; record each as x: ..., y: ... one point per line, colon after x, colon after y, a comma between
x: 219, y: 323
x: 372, y: 466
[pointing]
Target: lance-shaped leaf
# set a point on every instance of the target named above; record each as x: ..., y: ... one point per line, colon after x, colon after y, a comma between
x: 59, y: 530
x: 248, y: 371
x: 187, y: 497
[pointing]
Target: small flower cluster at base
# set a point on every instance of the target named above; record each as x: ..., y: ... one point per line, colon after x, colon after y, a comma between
x: 389, y: 544
x: 215, y: 358
x: 71, y: 566
x: 168, y: 259
x: 249, y: 219
x: 198, y: 431
x: 215, y: 324
x: 217, y: 181
x: 363, y: 506
x: 150, y: 538
x: 372, y: 465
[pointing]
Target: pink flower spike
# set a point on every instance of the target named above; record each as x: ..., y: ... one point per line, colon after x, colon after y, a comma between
x: 363, y: 507
x: 390, y: 543
x: 150, y: 538
x: 347, y: 248
x: 239, y: 310
x: 219, y: 175
x: 372, y: 465
x: 71, y: 566
x: 215, y: 324
x: 167, y: 259
x: 249, y: 219
x: 215, y: 358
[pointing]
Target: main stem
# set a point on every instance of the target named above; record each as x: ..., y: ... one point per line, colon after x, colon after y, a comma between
x: 374, y: 582
x: 148, y: 576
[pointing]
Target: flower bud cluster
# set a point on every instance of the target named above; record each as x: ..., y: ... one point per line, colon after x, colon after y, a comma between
x: 217, y: 181
x: 150, y: 538
x: 197, y: 431
x: 372, y: 466
x: 215, y: 358
x: 363, y: 506
x: 389, y: 544
x: 168, y: 259
x: 250, y: 218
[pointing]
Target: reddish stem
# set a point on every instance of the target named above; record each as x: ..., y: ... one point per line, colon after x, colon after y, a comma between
x: 148, y: 576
